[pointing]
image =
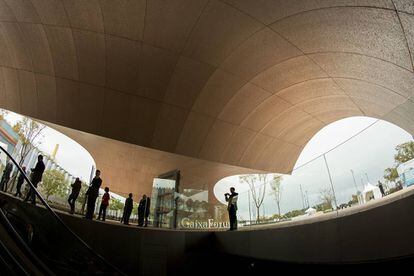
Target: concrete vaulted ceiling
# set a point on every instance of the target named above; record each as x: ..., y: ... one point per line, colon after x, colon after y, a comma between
x: 237, y: 82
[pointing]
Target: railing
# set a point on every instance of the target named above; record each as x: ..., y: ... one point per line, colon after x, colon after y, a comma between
x: 39, y: 265
x: 56, y: 244
x: 338, y: 179
x: 328, y: 183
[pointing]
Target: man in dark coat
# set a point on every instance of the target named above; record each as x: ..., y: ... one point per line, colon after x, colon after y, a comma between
x: 76, y: 187
x: 129, y: 204
x: 19, y: 184
x: 143, y: 210
x: 37, y: 173
x: 92, y: 194
x: 6, y: 176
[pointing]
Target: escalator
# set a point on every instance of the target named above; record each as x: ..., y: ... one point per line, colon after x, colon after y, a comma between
x: 35, y: 241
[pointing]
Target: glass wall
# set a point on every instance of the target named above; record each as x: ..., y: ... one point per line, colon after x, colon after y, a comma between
x: 361, y: 170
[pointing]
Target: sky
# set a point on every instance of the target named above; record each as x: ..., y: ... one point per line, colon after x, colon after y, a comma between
x: 367, y: 154
x: 70, y: 156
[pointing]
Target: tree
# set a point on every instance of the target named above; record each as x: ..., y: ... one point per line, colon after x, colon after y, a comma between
x: 258, y: 191
x: 116, y: 204
x: 327, y: 197
x: 29, y: 131
x: 189, y: 203
x: 3, y: 113
x: 221, y: 213
x: 53, y: 183
x: 404, y: 153
x: 275, y: 185
x: 82, y: 193
x: 135, y: 209
x: 391, y: 174
x: 294, y: 213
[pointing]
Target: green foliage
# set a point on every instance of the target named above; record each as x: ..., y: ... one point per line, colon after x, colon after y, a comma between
x: 394, y: 189
x: 327, y: 197
x: 115, y: 204
x: 2, y: 114
x: 276, y: 216
x: 275, y: 185
x: 258, y: 192
x: 353, y: 201
x: 53, y: 183
x: 135, y: 209
x: 82, y: 193
x: 404, y: 153
x: 29, y: 132
x: 391, y: 174
x: 294, y: 213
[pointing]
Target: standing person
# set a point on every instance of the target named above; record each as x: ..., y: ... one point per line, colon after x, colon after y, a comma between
x: 147, y: 210
x: 19, y: 184
x: 104, y: 204
x: 76, y: 187
x: 6, y: 176
x: 381, y: 187
x: 141, y: 210
x: 129, y: 204
x: 36, y: 177
x: 232, y: 207
x: 92, y: 193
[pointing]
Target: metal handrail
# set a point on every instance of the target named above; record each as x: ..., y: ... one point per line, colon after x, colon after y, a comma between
x: 56, y: 216
x: 29, y: 253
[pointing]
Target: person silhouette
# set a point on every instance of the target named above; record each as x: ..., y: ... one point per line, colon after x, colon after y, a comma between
x: 104, y: 204
x: 92, y: 193
x: 232, y: 207
x: 36, y: 177
x: 20, y: 181
x: 143, y: 211
x: 129, y: 204
x: 76, y: 187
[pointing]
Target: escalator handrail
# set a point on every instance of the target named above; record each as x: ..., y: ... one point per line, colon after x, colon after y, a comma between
x: 56, y: 216
x: 28, y: 252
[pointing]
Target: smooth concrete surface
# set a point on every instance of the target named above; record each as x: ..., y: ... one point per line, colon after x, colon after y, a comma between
x: 139, y: 251
x: 378, y: 231
x: 127, y: 168
x: 237, y: 82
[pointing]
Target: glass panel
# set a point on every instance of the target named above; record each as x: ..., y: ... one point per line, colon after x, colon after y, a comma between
x: 192, y: 209
x: 162, y: 208
x: 358, y: 166
x: 244, y: 212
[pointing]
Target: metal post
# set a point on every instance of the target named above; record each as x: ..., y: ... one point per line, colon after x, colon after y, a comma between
x: 353, y: 176
x: 367, y: 177
x: 301, y: 195
x: 330, y: 179
x: 307, y: 199
x: 250, y: 213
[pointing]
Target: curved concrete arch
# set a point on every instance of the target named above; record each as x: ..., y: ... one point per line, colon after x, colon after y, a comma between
x: 198, y: 77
